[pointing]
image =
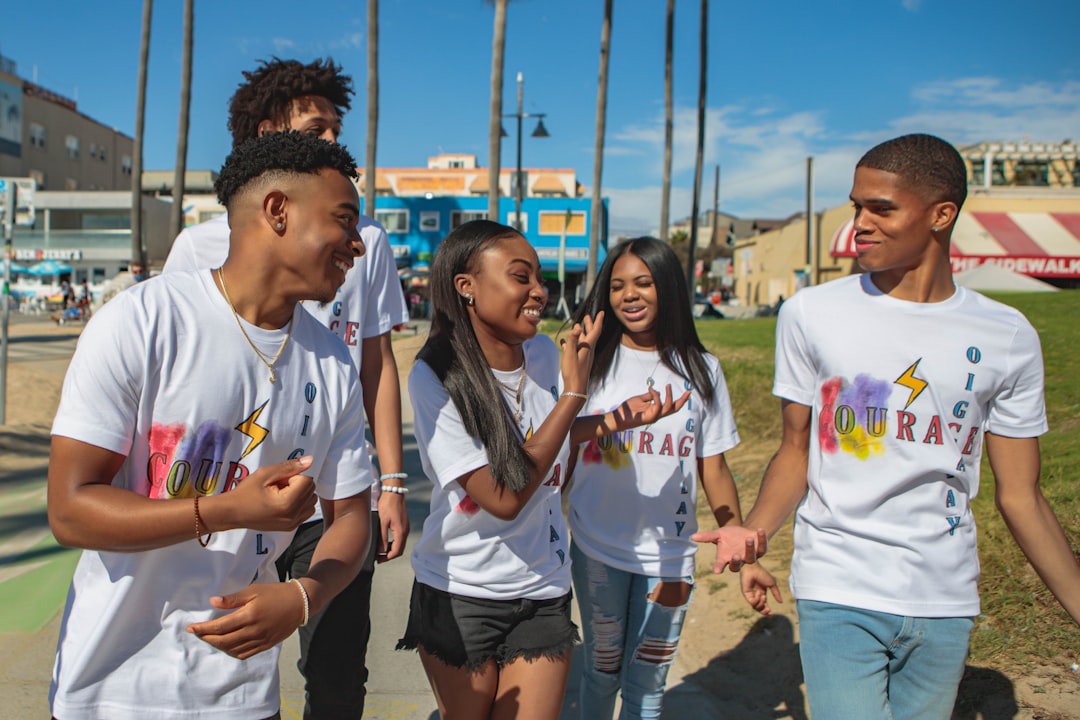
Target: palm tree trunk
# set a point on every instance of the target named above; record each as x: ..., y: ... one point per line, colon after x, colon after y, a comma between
x: 699, y: 158
x: 372, y: 105
x: 138, y: 246
x: 669, y: 122
x: 498, y: 47
x: 176, y: 215
x: 598, y: 156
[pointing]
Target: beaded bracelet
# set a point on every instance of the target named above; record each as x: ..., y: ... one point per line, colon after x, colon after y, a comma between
x: 198, y: 523
x: 583, y: 396
x: 304, y: 595
x: 395, y: 489
x: 394, y: 476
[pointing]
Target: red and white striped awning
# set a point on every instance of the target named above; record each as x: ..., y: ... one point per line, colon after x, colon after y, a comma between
x: 1036, y: 244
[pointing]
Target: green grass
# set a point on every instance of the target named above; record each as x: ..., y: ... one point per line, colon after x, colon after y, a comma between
x: 1022, y: 624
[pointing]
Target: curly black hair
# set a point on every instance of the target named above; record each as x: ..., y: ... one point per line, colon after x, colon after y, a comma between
x: 285, y: 152
x: 927, y: 164
x: 268, y: 92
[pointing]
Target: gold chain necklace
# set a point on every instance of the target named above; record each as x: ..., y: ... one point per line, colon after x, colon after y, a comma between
x: 277, y: 356
x: 520, y: 412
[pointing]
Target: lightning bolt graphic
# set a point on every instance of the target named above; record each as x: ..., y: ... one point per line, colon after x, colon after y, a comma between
x: 253, y: 430
x: 912, y: 383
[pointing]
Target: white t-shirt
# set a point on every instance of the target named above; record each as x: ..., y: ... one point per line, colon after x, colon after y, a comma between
x: 464, y: 549
x: 901, y: 393
x: 369, y: 303
x: 163, y: 376
x: 633, y: 499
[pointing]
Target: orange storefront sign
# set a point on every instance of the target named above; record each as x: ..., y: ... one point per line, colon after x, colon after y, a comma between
x: 430, y: 183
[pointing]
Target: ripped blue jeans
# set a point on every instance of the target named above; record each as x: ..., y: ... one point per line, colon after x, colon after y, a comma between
x: 631, y: 632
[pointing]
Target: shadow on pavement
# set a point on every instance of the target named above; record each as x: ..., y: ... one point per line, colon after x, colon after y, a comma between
x: 753, y: 680
x: 985, y: 694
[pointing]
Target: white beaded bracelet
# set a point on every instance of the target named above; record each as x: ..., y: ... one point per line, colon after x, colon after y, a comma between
x: 394, y: 476
x: 395, y: 489
x: 304, y: 595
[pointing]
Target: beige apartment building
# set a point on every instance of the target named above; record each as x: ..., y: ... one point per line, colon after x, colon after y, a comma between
x: 44, y: 136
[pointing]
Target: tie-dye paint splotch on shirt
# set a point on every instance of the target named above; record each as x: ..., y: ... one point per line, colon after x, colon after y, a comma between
x: 861, y: 424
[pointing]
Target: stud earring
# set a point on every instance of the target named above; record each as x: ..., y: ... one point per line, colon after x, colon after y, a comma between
x: 281, y: 226
x: 935, y: 229
x: 469, y: 299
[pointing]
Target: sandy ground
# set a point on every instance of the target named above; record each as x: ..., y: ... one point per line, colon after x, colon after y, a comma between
x: 734, y: 663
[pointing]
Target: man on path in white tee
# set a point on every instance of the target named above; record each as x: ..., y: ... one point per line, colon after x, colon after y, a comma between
x: 311, y: 98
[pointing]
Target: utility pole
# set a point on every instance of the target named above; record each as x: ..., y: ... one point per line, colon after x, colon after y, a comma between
x: 811, y: 256
x: 539, y: 132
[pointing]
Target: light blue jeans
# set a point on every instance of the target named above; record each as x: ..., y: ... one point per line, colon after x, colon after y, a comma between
x: 629, y: 640
x: 865, y: 665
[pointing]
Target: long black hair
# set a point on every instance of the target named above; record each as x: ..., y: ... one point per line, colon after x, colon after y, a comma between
x: 454, y: 353
x: 677, y: 340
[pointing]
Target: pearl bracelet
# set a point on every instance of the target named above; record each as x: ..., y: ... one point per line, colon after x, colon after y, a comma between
x: 395, y: 489
x: 394, y: 476
x: 307, y: 603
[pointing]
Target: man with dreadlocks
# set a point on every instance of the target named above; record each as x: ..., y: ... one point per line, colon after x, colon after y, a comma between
x: 201, y: 413
x: 311, y: 98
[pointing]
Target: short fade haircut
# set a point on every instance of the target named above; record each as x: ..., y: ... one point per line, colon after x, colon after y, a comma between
x: 280, y: 153
x: 270, y: 89
x: 926, y: 164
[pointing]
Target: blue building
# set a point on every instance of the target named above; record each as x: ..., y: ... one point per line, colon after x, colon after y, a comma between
x: 417, y: 224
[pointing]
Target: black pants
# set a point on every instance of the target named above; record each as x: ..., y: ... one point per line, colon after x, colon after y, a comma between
x: 333, y: 644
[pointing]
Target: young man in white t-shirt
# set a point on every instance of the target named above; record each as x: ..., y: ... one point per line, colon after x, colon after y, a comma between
x: 311, y: 98
x: 201, y: 413
x: 891, y: 382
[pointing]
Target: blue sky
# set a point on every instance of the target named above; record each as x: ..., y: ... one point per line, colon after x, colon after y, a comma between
x: 786, y: 80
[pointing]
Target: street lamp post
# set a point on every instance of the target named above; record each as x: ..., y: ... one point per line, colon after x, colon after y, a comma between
x: 539, y: 132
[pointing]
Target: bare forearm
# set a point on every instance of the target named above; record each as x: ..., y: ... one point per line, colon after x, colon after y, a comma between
x: 339, y: 555
x: 783, y: 486
x: 592, y: 427
x: 542, y: 448
x: 1016, y: 464
x: 382, y: 401
x: 720, y: 490
x: 1033, y: 524
x: 102, y: 517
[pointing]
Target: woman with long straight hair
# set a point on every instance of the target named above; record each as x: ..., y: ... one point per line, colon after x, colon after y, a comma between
x: 634, y: 493
x: 495, y: 413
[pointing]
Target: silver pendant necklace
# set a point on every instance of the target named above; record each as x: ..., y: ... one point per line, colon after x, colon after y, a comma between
x: 519, y: 404
x: 649, y: 381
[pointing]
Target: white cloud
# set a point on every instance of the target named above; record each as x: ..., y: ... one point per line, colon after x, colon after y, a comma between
x: 282, y: 45
x: 762, y: 152
x: 992, y: 93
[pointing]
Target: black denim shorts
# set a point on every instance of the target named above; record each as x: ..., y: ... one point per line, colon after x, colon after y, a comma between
x: 468, y: 632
